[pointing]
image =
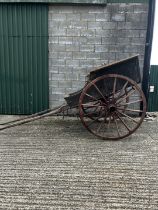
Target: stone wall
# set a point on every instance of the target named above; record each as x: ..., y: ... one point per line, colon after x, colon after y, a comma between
x: 83, y: 37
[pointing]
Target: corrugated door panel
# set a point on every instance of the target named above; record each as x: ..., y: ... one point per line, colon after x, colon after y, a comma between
x: 23, y: 58
x: 153, y: 90
x: 128, y: 1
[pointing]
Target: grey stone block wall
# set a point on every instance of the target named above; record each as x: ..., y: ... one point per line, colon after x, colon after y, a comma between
x: 83, y: 37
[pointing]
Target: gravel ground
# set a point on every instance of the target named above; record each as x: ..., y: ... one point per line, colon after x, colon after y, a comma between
x: 55, y: 164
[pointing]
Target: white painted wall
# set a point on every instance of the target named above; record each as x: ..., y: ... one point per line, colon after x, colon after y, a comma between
x: 154, y: 55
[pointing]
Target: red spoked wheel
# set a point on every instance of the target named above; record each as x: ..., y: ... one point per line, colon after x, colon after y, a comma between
x: 109, y: 107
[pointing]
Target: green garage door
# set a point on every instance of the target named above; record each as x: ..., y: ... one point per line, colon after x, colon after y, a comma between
x: 23, y: 58
x: 153, y: 89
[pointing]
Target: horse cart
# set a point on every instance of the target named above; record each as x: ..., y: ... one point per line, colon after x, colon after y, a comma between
x: 109, y: 103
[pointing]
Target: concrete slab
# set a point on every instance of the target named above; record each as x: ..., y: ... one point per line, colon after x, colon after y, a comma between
x: 54, y: 164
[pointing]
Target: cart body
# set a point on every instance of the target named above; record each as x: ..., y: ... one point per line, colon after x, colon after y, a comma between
x: 128, y: 67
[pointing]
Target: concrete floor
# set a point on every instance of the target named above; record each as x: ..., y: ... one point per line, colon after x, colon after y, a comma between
x: 55, y: 164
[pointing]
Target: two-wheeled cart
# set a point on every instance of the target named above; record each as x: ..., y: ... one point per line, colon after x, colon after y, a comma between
x: 109, y: 104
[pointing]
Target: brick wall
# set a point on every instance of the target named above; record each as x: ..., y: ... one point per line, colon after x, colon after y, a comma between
x: 83, y: 37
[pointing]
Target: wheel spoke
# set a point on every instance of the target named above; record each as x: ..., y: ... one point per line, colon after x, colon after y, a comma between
x: 117, y: 127
x: 95, y: 99
x: 109, y: 122
x: 99, y: 92
x: 89, y: 114
x: 132, y: 102
x: 131, y: 110
x: 123, y: 122
x: 127, y: 116
x: 91, y: 105
x: 94, y: 121
x: 99, y: 127
x: 114, y: 87
x: 123, y: 89
x: 129, y: 93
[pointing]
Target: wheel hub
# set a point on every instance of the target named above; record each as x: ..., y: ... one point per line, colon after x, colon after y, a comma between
x: 112, y: 108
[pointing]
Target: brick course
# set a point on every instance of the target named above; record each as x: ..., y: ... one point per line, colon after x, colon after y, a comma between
x: 83, y: 37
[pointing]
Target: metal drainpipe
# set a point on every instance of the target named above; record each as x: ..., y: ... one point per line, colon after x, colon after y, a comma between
x: 148, y: 47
